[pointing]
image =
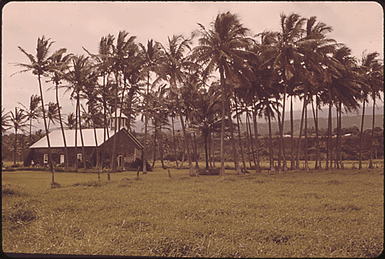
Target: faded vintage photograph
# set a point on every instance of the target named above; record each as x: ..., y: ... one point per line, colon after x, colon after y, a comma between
x: 192, y: 129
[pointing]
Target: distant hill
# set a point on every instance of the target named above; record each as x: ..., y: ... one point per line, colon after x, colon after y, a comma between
x: 348, y: 120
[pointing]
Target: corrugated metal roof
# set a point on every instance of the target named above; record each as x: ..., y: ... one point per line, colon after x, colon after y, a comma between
x: 56, y: 138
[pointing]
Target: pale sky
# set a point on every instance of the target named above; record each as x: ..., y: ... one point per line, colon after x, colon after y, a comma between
x: 74, y: 25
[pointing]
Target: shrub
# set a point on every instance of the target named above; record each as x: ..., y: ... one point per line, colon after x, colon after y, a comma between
x: 133, y: 166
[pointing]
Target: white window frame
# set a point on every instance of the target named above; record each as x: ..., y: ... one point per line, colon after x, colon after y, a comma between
x: 79, y: 156
x: 62, y: 159
x: 45, y: 158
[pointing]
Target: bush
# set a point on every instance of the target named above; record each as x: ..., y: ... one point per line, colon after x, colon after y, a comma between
x: 133, y: 166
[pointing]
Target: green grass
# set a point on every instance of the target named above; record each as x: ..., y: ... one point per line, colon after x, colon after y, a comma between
x: 337, y: 213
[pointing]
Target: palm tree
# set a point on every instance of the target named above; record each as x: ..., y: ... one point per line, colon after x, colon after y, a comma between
x: 19, y: 121
x: 205, y: 116
x: 40, y: 65
x: 314, y: 47
x: 223, y: 48
x: 5, y: 121
x: 118, y: 56
x: 173, y: 66
x: 52, y: 113
x: 33, y: 112
x: 374, y: 75
x: 71, y: 120
x: 60, y: 63
x: 287, y: 59
x: 150, y: 56
x: 78, y: 77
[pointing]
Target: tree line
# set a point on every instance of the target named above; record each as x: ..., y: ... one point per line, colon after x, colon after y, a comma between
x: 208, y: 86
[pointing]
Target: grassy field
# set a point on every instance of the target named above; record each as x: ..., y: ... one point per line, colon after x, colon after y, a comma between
x: 337, y: 213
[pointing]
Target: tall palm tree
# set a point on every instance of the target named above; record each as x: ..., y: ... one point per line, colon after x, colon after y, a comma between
x: 60, y: 62
x: 19, y: 121
x: 223, y: 48
x: 173, y: 68
x: 40, y: 65
x: 150, y: 56
x: 33, y: 112
x: 287, y: 59
x: 78, y: 78
x: 374, y: 75
x: 315, y: 47
x: 118, y: 56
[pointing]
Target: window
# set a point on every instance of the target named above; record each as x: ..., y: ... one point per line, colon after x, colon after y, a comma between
x: 45, y: 159
x: 120, y: 160
x: 61, y: 159
x: 79, y: 157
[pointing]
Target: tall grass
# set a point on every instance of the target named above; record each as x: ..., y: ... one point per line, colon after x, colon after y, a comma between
x: 295, y: 214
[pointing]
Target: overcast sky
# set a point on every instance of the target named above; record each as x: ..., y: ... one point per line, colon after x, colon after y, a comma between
x: 74, y: 25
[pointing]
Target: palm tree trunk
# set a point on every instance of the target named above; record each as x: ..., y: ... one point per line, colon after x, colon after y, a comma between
x: 145, y: 127
x: 15, y: 144
x: 206, y: 151
x: 239, y: 132
x: 340, y: 144
x: 196, y: 151
x: 81, y: 138
x: 316, y: 135
x: 361, y: 134
x: 223, y: 97
x: 272, y: 169
x: 372, y: 137
x: 155, y: 144
x: 62, y: 128
x: 114, y: 144
x: 231, y: 128
x: 282, y: 129
x: 76, y: 135
x: 96, y: 139
x: 257, y: 168
x: 174, y: 140
x: 249, y: 139
x: 306, y: 158
x: 300, y: 133
x: 279, y: 142
x: 329, y: 150
x: 160, y: 146
x: 46, y: 131
x: 292, y: 134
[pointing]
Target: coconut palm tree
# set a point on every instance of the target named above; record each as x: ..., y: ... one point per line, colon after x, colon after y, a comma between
x: 78, y: 77
x: 60, y: 62
x: 33, y: 112
x: 374, y: 76
x: 52, y: 113
x: 40, y: 65
x: 223, y: 48
x: 71, y: 120
x: 19, y: 121
x: 150, y: 56
x: 287, y: 60
x: 118, y: 56
x: 5, y: 121
x: 205, y: 116
x: 173, y: 69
